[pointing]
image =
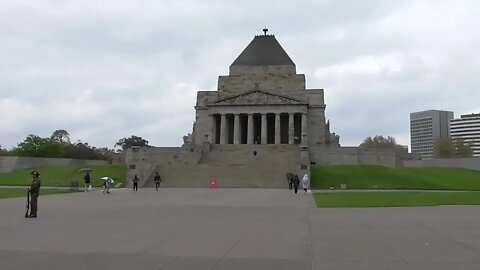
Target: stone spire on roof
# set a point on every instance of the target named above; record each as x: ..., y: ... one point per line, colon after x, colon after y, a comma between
x: 263, y: 50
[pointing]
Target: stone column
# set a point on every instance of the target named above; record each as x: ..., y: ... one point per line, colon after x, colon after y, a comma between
x: 223, y: 129
x: 304, y: 129
x: 291, y: 128
x: 264, y: 129
x: 236, y: 129
x: 250, y: 129
x: 277, y: 128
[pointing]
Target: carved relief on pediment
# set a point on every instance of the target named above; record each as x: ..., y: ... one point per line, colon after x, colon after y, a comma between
x: 257, y: 98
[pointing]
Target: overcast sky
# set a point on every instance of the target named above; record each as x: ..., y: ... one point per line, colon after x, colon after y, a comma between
x: 104, y: 70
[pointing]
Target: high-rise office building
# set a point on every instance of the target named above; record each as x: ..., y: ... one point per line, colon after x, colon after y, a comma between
x: 425, y: 128
x: 468, y: 128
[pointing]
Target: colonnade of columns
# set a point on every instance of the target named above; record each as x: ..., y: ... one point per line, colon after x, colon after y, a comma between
x: 247, y: 129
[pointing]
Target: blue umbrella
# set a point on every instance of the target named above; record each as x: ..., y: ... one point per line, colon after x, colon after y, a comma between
x: 108, y: 179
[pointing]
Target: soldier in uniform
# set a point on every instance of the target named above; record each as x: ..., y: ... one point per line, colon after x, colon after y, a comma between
x: 34, y: 192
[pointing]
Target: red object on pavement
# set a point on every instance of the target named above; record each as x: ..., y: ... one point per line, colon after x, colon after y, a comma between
x: 213, y: 183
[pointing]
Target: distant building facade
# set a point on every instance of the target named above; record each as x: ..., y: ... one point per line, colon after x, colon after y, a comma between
x: 468, y: 128
x: 425, y: 128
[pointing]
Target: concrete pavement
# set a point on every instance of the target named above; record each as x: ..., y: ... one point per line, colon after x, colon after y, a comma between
x: 232, y: 229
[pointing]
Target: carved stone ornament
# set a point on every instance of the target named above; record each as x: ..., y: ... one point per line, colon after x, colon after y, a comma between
x: 257, y: 97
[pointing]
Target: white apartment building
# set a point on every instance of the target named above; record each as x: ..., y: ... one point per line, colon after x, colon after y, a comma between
x: 468, y: 128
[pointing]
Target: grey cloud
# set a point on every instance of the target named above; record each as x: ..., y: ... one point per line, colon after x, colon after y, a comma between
x: 107, y: 70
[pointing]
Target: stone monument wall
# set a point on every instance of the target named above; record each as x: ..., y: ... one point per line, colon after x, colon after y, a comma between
x: 467, y: 163
x: 351, y: 156
x: 269, y: 82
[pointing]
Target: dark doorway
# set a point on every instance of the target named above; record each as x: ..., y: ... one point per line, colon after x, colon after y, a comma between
x: 243, y: 128
x: 257, y: 126
x: 217, y: 129
x: 229, y: 128
x: 298, y: 128
x: 270, y: 128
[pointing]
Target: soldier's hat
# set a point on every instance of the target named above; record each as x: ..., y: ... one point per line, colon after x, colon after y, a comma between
x: 35, y: 173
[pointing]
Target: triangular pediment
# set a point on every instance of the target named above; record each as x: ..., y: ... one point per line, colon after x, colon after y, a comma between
x: 257, y: 97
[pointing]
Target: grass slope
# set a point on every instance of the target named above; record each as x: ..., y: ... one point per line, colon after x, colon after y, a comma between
x: 371, y: 177
x: 63, y: 175
x: 22, y: 192
x: 395, y: 199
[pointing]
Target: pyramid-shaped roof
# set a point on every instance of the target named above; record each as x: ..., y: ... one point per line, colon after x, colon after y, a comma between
x: 264, y: 50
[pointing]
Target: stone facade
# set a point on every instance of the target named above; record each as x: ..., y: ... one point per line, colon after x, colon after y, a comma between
x: 259, y: 124
x: 266, y: 104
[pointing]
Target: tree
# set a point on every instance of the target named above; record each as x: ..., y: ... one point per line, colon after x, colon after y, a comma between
x: 35, y: 146
x: 443, y: 148
x: 452, y: 148
x: 61, y: 136
x: 461, y: 148
x: 4, y: 152
x: 126, y: 143
x: 381, y: 142
x: 378, y: 142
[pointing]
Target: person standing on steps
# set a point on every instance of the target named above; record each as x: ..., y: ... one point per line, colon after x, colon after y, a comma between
x: 296, y: 183
x: 157, y: 180
x: 34, y: 192
x: 135, y: 183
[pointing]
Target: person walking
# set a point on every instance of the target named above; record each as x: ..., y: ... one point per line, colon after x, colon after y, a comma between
x: 289, y: 180
x: 34, y: 192
x: 106, y: 185
x: 296, y: 183
x: 135, y: 183
x: 157, y: 180
x: 305, y: 183
x: 88, y: 185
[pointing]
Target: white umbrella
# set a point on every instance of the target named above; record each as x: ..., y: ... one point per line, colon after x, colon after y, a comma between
x: 108, y: 179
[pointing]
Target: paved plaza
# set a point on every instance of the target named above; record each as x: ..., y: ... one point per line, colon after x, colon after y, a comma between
x: 232, y: 229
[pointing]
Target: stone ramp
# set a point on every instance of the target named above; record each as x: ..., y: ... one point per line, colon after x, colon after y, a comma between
x: 234, y: 166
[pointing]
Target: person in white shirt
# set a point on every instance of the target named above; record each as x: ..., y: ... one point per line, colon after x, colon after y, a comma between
x: 305, y: 183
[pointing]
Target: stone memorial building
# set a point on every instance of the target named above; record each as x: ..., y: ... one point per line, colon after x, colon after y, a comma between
x: 263, y: 100
x: 259, y: 124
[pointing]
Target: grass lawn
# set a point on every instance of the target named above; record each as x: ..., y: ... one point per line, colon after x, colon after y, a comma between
x: 378, y: 177
x: 63, y: 175
x: 22, y: 192
x: 391, y: 199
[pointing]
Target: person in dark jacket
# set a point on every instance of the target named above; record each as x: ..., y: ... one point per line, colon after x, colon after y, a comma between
x: 290, y: 180
x: 34, y: 192
x: 157, y: 180
x: 296, y: 182
x: 135, y: 183
x: 88, y: 185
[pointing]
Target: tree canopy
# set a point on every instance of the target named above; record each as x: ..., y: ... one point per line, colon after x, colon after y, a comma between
x: 61, y: 136
x: 36, y: 146
x: 378, y: 142
x: 58, y: 145
x: 126, y: 143
x: 451, y: 148
x: 381, y: 142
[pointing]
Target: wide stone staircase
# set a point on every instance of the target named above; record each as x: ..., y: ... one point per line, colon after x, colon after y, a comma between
x: 246, y: 166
